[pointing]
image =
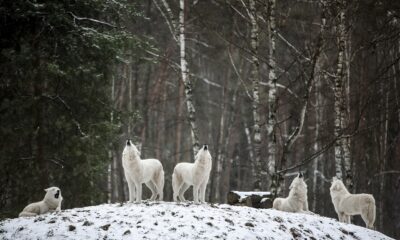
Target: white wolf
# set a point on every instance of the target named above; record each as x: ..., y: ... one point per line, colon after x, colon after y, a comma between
x: 347, y: 204
x: 50, y: 203
x: 297, y: 200
x: 196, y: 174
x: 138, y: 171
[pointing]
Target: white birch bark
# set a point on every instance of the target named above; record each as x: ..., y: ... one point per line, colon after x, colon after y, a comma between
x: 346, y: 112
x: 271, y: 120
x: 339, y: 105
x: 256, y: 97
x: 186, y: 80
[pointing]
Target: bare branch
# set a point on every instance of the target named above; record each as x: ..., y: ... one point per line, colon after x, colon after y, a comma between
x: 91, y: 20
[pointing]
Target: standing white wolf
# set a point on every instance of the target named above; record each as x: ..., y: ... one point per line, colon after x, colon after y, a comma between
x: 347, y: 204
x: 50, y: 203
x: 196, y: 174
x: 297, y: 200
x: 138, y: 171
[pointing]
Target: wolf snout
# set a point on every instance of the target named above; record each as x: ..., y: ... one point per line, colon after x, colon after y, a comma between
x: 205, y: 147
x: 128, y: 142
x: 300, y: 174
x: 57, y: 194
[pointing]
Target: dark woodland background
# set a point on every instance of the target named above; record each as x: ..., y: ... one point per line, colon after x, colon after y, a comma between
x: 77, y: 78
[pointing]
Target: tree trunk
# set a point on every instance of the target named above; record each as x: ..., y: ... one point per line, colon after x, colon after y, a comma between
x: 110, y: 153
x: 342, y: 151
x: 318, y: 119
x: 255, y: 78
x: 42, y: 165
x: 186, y: 80
x: 272, y: 102
x: 179, y: 123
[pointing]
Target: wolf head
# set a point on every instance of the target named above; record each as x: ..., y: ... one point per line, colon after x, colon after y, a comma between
x: 203, y: 154
x: 337, y: 185
x: 53, y: 196
x: 298, y: 183
x: 130, y: 148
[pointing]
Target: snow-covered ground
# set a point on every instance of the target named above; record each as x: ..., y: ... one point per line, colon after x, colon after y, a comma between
x: 166, y: 220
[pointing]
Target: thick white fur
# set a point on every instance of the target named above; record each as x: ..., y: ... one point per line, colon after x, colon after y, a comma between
x: 138, y: 171
x: 49, y: 204
x: 347, y: 204
x: 297, y: 200
x: 192, y: 174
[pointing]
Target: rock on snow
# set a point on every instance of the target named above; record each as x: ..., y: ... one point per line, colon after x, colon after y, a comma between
x: 166, y: 220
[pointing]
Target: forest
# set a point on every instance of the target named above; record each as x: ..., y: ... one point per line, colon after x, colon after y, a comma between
x: 274, y: 87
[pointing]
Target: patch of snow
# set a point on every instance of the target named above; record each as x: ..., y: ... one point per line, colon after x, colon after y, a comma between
x: 167, y: 220
x: 264, y: 199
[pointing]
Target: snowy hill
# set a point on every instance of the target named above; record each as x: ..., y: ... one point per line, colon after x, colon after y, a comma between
x: 152, y: 220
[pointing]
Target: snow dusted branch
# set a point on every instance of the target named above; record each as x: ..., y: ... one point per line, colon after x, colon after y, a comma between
x: 238, y: 75
x: 172, y: 26
x: 281, y: 86
x: 91, y: 20
x: 69, y: 109
x: 309, y: 84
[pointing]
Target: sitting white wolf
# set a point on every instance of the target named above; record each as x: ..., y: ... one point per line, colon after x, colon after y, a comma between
x: 51, y: 202
x: 196, y: 174
x: 297, y: 200
x: 347, y: 204
x: 138, y: 171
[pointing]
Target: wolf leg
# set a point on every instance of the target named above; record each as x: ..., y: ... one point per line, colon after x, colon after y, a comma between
x: 27, y: 214
x: 196, y: 188
x: 182, y: 191
x: 131, y: 188
x: 203, y: 192
x: 138, y: 192
x: 153, y: 189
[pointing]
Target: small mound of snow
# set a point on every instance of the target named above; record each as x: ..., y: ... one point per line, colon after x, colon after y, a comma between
x: 166, y: 220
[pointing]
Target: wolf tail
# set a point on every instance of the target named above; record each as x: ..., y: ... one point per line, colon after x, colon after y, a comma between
x: 161, y: 181
x: 371, y: 212
x: 175, y: 185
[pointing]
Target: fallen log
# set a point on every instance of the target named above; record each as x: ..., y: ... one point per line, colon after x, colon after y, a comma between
x: 250, y: 199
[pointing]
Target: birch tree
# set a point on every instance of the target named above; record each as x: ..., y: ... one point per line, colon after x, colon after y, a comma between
x: 342, y: 150
x: 256, y: 95
x: 186, y: 79
x: 272, y: 100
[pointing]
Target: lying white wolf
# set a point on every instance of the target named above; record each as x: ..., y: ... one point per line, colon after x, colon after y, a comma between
x: 196, y: 174
x: 51, y: 202
x: 347, y: 204
x: 297, y: 200
x: 138, y: 171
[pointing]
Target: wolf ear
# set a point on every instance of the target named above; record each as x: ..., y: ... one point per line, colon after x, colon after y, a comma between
x: 47, y: 189
x: 137, y: 152
x: 335, y: 187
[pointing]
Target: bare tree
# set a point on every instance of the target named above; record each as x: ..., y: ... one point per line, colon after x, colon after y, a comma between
x: 186, y: 79
x: 255, y: 78
x: 272, y: 99
x: 342, y: 148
